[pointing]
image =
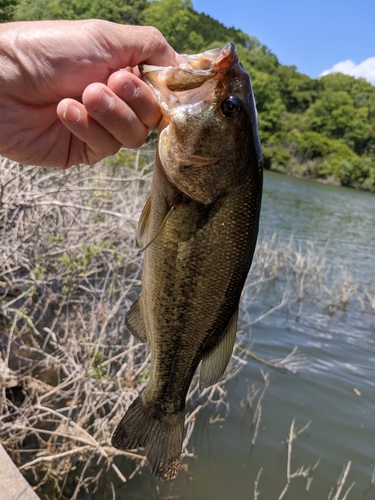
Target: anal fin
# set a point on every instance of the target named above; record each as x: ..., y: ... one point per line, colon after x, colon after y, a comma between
x: 134, y: 321
x: 214, y: 363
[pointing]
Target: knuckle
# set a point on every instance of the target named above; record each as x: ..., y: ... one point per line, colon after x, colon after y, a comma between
x: 155, y: 34
x: 156, y: 38
x: 94, y: 25
x: 110, y: 150
x: 135, y: 140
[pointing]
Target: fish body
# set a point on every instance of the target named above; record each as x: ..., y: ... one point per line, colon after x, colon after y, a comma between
x: 199, y: 227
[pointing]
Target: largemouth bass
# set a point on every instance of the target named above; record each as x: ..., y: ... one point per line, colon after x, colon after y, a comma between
x: 199, y: 228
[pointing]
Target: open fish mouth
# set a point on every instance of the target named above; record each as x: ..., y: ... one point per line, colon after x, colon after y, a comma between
x: 169, y: 84
x: 188, y: 93
x: 195, y: 70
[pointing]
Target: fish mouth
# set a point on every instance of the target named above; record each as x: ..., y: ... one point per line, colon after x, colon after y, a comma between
x: 169, y: 84
x: 189, y: 90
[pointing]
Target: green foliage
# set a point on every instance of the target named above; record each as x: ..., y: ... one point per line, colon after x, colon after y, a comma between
x: 276, y: 157
x: 320, y: 128
x: 312, y: 145
x: 81, y: 264
x: 332, y: 113
x: 297, y: 91
x: 175, y: 19
x: 96, y: 366
x: 316, y: 127
x: 329, y: 158
x: 120, y: 11
x: 187, y: 31
x: 7, y: 10
x: 269, y: 104
x: 255, y: 56
x: 38, y: 272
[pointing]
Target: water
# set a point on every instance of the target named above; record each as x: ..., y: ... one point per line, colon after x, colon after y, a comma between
x: 333, y: 388
x: 341, y: 219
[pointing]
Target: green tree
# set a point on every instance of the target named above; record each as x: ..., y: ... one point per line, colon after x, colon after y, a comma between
x: 7, y: 10
x: 297, y: 91
x: 269, y: 104
x: 319, y: 127
x: 175, y: 19
x: 189, y: 32
x: 120, y: 11
x: 334, y: 113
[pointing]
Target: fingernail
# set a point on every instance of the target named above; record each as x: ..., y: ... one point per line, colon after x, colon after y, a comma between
x: 104, y: 104
x: 72, y: 113
x: 129, y: 91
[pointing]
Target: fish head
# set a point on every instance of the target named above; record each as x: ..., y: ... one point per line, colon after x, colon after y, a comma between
x: 208, y: 136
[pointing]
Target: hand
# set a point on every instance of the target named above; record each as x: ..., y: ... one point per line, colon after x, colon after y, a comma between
x: 70, y: 91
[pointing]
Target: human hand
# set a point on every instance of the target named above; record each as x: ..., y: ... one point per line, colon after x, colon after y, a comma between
x: 64, y: 95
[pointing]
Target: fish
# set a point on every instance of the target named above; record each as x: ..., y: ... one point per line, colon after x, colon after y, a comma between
x: 199, y: 229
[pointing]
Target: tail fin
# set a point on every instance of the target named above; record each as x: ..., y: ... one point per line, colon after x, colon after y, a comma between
x: 162, y: 439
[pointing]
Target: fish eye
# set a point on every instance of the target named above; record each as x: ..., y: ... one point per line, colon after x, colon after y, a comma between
x: 232, y: 106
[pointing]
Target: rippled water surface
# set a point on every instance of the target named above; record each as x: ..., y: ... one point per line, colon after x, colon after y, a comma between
x: 332, y: 385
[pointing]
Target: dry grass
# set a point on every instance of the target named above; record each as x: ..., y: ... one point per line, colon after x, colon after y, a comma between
x: 69, y: 270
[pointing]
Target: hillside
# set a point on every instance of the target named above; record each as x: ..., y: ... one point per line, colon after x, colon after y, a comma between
x: 320, y: 128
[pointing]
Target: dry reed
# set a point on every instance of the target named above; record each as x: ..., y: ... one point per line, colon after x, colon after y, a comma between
x: 69, y: 270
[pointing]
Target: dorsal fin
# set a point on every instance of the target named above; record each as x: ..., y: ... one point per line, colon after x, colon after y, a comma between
x: 214, y: 363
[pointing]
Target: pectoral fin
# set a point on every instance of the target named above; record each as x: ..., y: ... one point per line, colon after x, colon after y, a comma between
x: 134, y: 321
x: 214, y: 363
x: 144, y: 221
x: 159, y: 230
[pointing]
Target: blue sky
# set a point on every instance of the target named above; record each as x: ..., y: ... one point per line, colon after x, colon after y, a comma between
x: 314, y: 35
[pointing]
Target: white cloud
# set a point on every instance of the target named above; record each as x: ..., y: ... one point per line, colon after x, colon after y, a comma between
x: 365, y: 69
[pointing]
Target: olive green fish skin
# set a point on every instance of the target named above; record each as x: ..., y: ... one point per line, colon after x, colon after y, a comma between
x: 208, y: 171
x: 193, y: 277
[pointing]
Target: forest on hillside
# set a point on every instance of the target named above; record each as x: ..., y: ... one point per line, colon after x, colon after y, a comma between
x: 320, y: 128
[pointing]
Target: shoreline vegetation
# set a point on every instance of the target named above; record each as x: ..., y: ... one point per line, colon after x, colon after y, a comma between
x: 69, y: 270
x: 322, y: 128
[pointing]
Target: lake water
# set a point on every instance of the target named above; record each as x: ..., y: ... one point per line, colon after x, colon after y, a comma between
x: 331, y: 385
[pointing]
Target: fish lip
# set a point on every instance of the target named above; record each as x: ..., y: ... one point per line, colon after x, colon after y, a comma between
x: 227, y: 58
x: 215, y: 58
x: 209, y: 59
